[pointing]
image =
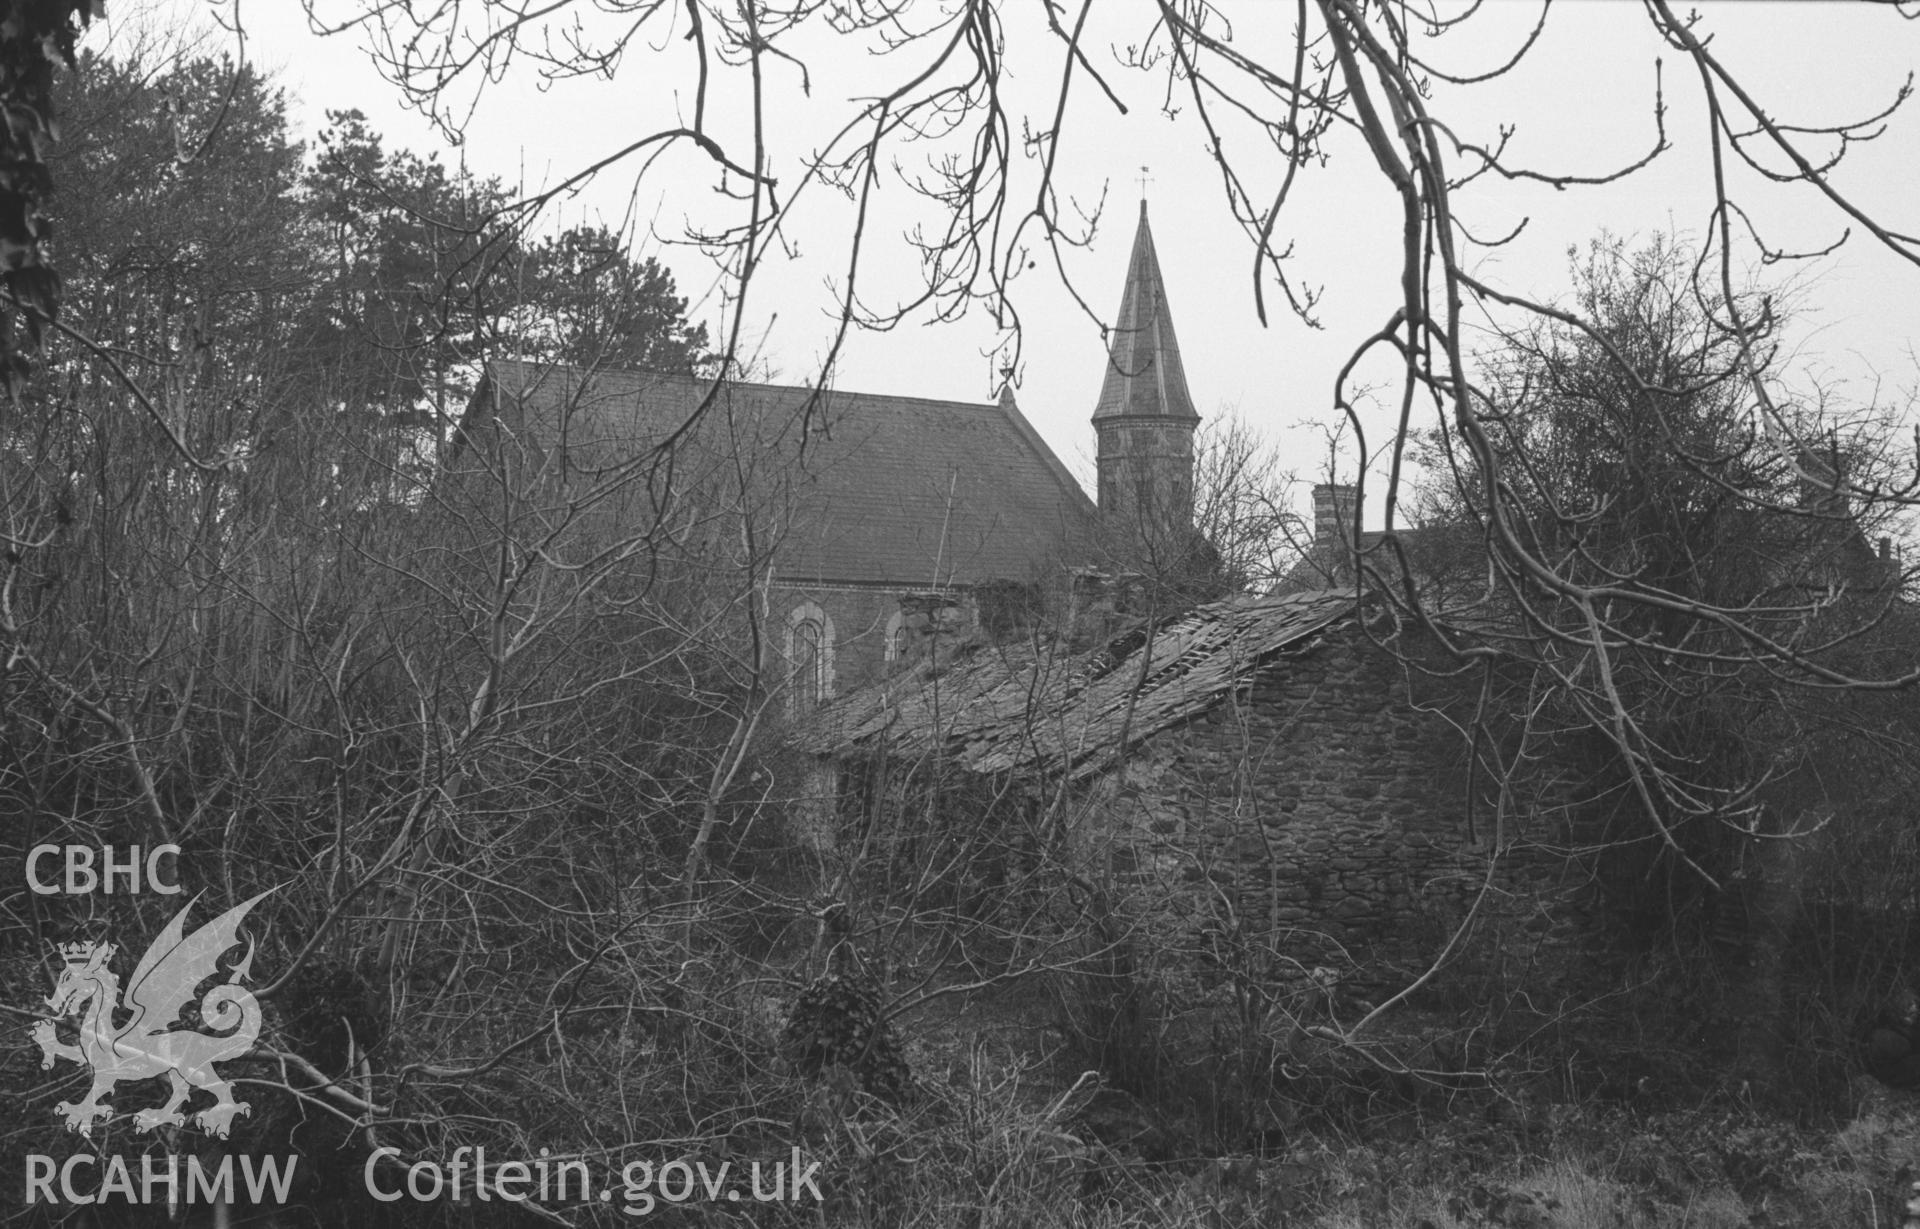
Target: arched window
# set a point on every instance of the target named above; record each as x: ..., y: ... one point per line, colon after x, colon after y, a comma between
x: 896, y: 636
x: 809, y: 657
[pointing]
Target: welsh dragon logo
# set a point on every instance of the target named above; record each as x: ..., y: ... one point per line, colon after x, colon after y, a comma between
x: 146, y: 1044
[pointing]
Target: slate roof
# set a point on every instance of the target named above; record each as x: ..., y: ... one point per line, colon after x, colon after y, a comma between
x: 1028, y: 709
x: 1145, y: 377
x: 886, y: 490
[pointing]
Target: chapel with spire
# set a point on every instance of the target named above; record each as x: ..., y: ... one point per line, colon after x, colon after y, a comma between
x: 902, y: 524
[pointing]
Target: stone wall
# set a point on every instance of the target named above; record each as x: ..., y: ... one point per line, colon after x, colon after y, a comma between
x: 1325, y: 808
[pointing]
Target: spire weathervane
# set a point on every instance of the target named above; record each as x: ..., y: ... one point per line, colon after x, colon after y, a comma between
x: 1145, y: 179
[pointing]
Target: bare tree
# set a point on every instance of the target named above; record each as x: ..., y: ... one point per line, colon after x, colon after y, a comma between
x: 1243, y: 503
x: 1700, y: 537
x: 1634, y: 461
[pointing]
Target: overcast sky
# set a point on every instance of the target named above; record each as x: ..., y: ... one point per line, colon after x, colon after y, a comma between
x: 1582, y: 103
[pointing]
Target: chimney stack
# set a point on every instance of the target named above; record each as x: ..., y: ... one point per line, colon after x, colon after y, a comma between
x: 1333, y: 516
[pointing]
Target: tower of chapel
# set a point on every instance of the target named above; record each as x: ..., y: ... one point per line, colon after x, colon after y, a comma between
x: 1145, y: 420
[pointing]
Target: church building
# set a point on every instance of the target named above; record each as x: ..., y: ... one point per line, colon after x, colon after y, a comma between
x: 888, y: 520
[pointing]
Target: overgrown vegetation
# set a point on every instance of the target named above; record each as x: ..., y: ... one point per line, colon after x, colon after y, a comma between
x: 500, y: 734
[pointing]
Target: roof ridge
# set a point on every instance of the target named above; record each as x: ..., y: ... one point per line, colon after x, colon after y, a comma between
x: 762, y: 385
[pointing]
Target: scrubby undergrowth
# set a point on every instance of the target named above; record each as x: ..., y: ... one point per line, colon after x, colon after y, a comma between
x: 989, y: 1157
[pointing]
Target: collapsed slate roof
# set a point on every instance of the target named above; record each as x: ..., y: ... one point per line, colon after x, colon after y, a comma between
x: 1036, y: 709
x: 885, y: 489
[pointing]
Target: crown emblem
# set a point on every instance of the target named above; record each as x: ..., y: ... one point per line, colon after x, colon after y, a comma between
x: 78, y: 952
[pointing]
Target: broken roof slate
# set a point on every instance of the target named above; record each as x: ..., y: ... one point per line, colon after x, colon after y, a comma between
x: 891, y: 490
x: 1032, y: 709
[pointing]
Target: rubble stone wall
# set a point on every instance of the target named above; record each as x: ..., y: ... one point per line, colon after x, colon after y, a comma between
x: 1326, y: 807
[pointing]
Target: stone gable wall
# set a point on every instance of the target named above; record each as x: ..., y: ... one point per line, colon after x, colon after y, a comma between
x: 1325, y: 808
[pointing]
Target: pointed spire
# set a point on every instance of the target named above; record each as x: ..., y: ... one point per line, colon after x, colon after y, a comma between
x: 1145, y: 377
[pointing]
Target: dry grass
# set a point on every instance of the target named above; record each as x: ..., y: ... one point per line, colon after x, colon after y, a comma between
x: 1011, y: 1161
